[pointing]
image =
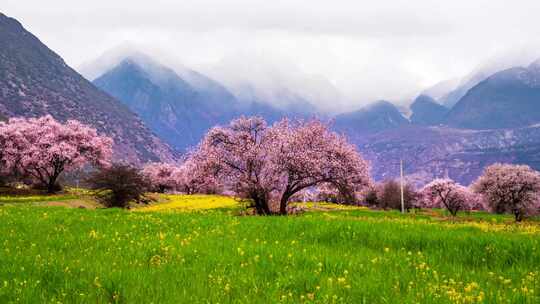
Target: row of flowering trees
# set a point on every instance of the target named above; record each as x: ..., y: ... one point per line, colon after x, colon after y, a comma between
x: 187, y: 178
x: 502, y: 188
x: 267, y: 165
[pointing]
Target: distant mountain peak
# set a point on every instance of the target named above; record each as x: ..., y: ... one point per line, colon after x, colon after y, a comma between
x: 373, y: 118
x: 507, y: 99
x: 535, y: 65
x: 129, y: 65
x: 379, y: 104
x: 174, y: 109
x: 441, y: 89
x: 426, y: 111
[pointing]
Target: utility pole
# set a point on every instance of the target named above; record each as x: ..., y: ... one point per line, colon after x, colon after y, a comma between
x: 401, y: 184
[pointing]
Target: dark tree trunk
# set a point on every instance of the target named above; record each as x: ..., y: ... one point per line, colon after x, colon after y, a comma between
x: 261, y: 206
x: 161, y: 189
x: 500, y: 208
x: 518, y: 215
x: 283, y: 205
x: 51, y: 189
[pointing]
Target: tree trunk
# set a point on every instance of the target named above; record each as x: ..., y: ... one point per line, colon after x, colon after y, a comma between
x: 50, y: 186
x: 518, y: 215
x: 261, y: 206
x: 283, y: 205
x: 161, y: 189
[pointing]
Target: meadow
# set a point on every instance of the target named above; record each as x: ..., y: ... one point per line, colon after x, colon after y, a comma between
x: 202, y: 249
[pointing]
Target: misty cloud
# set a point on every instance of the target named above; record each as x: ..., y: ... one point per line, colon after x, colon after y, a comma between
x: 354, y: 51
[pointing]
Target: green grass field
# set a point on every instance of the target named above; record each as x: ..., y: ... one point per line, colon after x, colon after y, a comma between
x: 176, y: 252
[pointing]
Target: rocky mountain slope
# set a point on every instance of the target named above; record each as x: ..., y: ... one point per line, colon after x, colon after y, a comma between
x: 181, y: 107
x: 426, y: 111
x: 374, y: 118
x: 35, y: 81
x: 507, y: 99
x: 430, y: 152
x: 496, y: 118
x: 176, y: 111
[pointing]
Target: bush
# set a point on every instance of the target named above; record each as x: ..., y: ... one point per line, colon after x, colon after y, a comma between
x: 371, y: 197
x: 119, y: 185
x: 389, y: 196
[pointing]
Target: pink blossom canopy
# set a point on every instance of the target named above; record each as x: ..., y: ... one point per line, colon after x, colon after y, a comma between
x: 43, y: 147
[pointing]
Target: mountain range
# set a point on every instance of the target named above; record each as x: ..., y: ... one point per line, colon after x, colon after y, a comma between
x: 454, y: 129
x: 35, y: 81
x: 176, y: 111
x: 506, y: 99
x: 181, y: 107
x: 426, y: 111
x: 377, y: 117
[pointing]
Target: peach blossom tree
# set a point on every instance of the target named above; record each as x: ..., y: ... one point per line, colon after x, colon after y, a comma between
x: 446, y: 193
x: 510, y: 188
x: 43, y: 148
x: 196, y: 176
x: 265, y: 163
x: 160, y: 176
x: 307, y: 154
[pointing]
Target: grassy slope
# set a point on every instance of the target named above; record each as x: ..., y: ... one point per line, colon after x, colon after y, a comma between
x: 352, y: 256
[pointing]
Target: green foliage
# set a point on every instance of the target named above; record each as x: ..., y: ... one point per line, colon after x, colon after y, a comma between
x: 52, y: 254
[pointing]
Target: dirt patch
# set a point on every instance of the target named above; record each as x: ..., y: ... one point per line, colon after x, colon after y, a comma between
x: 83, y: 204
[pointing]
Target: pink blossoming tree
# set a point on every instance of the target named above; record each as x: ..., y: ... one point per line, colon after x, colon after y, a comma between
x: 196, y: 176
x: 265, y: 163
x: 510, y: 188
x: 446, y: 193
x: 160, y: 176
x: 239, y: 154
x: 307, y: 154
x: 44, y: 148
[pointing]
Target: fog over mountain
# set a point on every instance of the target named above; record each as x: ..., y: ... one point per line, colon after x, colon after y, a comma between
x: 521, y: 57
x: 360, y: 51
x: 277, y: 82
x: 455, y: 83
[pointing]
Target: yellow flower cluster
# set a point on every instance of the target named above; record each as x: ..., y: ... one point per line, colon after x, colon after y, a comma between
x: 190, y: 203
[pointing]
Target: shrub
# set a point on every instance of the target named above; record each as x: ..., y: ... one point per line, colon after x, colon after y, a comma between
x: 119, y: 185
x: 389, y: 196
x: 371, y: 197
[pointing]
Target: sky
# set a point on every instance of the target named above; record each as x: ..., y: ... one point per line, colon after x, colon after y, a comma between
x: 365, y: 50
